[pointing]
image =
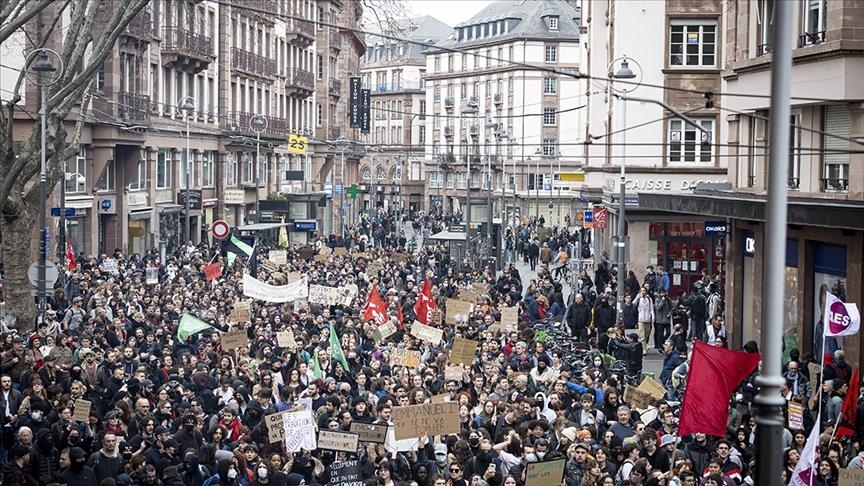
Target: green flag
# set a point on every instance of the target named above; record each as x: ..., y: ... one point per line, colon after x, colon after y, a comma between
x: 236, y: 245
x: 189, y: 325
x: 316, y: 367
x: 336, y: 348
x: 231, y: 257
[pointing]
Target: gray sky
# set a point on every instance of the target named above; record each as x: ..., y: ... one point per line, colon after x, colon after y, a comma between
x: 451, y: 12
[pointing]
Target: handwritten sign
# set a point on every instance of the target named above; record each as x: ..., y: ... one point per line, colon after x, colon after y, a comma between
x: 279, y: 257
x: 458, y: 312
x: 374, y: 268
x: 650, y: 386
x: 212, y: 271
x: 374, y: 433
x: 549, y: 473
x: 851, y: 477
x: 339, y: 251
x: 637, y: 397
x: 426, y: 333
x: 400, y: 258
x: 359, y: 255
x: 469, y: 296
x: 453, y: 373
x: 463, y: 351
x: 234, y: 340
x: 415, y: 421
x: 110, y: 265
x: 322, y: 294
x: 325, y: 250
x: 242, y: 312
x: 293, y: 277
x: 796, y: 415
x: 385, y: 330
x: 275, y: 430
x: 346, y: 473
x: 440, y: 398
x: 405, y: 357
x: 322, y: 258
x: 299, y: 430
x: 337, y: 440
x: 152, y: 276
x: 510, y: 317
x: 285, y: 339
x: 81, y: 412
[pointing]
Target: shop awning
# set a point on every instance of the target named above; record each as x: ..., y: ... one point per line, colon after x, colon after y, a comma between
x: 828, y: 213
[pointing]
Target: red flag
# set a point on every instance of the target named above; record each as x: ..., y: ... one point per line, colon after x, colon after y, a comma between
x: 425, y: 303
x: 399, y: 314
x: 714, y: 374
x: 846, y: 427
x: 70, y: 256
x: 374, y: 309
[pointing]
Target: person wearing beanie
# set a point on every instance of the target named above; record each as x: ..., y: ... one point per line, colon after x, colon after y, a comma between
x: 295, y: 479
x: 78, y: 473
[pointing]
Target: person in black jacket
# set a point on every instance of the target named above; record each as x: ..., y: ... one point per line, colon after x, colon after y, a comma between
x: 579, y: 318
x: 698, y: 313
x: 604, y: 318
x: 631, y: 352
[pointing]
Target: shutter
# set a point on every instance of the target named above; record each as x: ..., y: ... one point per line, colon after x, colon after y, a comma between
x: 838, y: 121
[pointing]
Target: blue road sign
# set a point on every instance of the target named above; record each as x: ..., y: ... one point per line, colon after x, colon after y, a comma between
x: 70, y: 212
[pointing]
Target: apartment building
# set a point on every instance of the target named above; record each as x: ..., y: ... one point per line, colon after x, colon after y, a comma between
x: 825, y: 242
x: 239, y: 65
x: 675, y: 51
x: 391, y: 174
x: 501, y: 103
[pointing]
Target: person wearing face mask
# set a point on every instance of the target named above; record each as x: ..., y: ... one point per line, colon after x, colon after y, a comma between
x: 188, y: 436
x: 192, y: 473
x: 483, y: 464
x: 262, y: 475
x: 78, y: 473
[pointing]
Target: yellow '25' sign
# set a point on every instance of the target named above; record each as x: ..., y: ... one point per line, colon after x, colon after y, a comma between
x: 297, y: 144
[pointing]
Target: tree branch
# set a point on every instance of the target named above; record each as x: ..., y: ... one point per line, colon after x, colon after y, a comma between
x: 18, y: 21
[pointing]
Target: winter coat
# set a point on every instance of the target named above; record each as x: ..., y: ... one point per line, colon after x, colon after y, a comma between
x: 578, y: 316
x: 646, y: 308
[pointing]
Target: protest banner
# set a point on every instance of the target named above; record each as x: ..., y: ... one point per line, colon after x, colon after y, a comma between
x: 152, y: 276
x: 851, y: 477
x: 110, y: 265
x: 796, y: 415
x: 458, y: 312
x: 414, y: 421
x: 637, y: 397
x: 453, y: 373
x: 234, y: 340
x: 299, y: 430
x: 400, y: 258
x: 279, y: 257
x: 212, y: 271
x: 346, y: 473
x: 337, y: 440
x: 510, y: 317
x: 405, y: 357
x: 322, y: 294
x: 463, y: 351
x: 440, y: 398
x: 426, y: 333
x: 269, y: 266
x: 385, y: 330
x: 275, y: 429
x: 374, y: 433
x: 242, y: 312
x: 325, y: 250
x: 650, y: 386
x: 550, y: 473
x: 276, y: 294
x: 81, y: 411
x: 285, y: 339
x: 339, y: 251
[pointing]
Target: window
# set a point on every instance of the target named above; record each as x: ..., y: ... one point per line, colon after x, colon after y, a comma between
x: 551, y: 51
x: 549, y: 115
x: 100, y: 78
x: 838, y: 122
x: 435, y: 181
x: 248, y: 172
x: 692, y: 43
x: 231, y: 175
x: 461, y: 180
x: 320, y: 18
x: 422, y: 135
x: 138, y: 180
x: 76, y: 173
x: 106, y: 182
x: 510, y: 53
x: 813, y: 31
x: 319, y: 115
x: 422, y: 115
x: 765, y: 26
x: 687, y: 144
x: 450, y: 63
x: 464, y: 62
x: 208, y: 169
x: 553, y: 23
x: 464, y: 91
x: 367, y: 174
x: 436, y: 94
x: 163, y: 169
x: 262, y: 170
x: 437, y: 64
x: 550, y: 147
x: 451, y: 91
x: 550, y: 86
x: 794, y: 151
x: 320, y: 67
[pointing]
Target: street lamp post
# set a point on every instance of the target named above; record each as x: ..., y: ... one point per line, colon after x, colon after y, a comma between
x: 258, y: 124
x: 187, y: 106
x: 342, y: 144
x: 41, y: 67
x: 538, y: 154
x: 559, y: 187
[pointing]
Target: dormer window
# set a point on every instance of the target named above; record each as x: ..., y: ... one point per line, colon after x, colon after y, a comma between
x: 553, y: 23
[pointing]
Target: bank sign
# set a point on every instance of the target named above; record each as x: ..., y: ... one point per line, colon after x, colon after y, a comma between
x: 658, y: 184
x: 715, y: 228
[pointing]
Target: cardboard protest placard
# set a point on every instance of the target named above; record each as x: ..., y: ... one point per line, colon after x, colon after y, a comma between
x: 463, y: 351
x: 637, y: 397
x: 436, y: 317
x: 299, y: 430
x: 279, y: 257
x: 292, y: 277
x: 796, y: 415
x: 306, y: 253
x: 234, y: 340
x: 510, y: 317
x: 285, y: 339
x: 322, y: 258
x: 269, y: 266
x: 325, y: 250
x: 453, y: 373
x: 385, y: 330
x: 212, y: 271
x: 427, y: 333
x: 549, y: 473
x: 469, y: 296
x: 110, y: 265
x: 275, y: 429
x: 851, y: 477
x: 359, y: 255
x: 400, y: 258
x: 405, y: 357
x: 242, y: 312
x: 337, y: 440
x: 81, y: 412
x: 346, y: 473
x: 415, y: 421
x: 374, y: 268
x: 650, y: 386
x: 152, y: 276
x: 458, y: 312
x: 339, y: 251
x: 374, y: 433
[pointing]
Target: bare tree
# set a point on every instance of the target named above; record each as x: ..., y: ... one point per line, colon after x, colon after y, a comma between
x: 83, y: 32
x: 388, y: 17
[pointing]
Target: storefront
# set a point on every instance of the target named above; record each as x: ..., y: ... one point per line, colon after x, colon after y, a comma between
x: 234, y: 200
x: 138, y: 222
x: 685, y: 248
x: 170, y: 226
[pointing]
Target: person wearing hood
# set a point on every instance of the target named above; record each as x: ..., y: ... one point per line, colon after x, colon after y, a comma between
x: 604, y: 318
x: 227, y: 474
x: 578, y: 318
x: 483, y: 464
x: 45, y: 461
x: 188, y: 436
x: 78, y: 474
x: 543, y: 376
x: 191, y: 472
x: 532, y: 306
x: 16, y: 471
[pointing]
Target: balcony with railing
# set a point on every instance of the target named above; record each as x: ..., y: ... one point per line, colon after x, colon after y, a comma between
x: 335, y: 87
x: 301, y: 83
x: 133, y: 107
x: 139, y: 27
x: 448, y: 102
x: 448, y: 131
x: 835, y: 185
x: 239, y: 123
x: 793, y: 183
x: 301, y: 32
x: 401, y: 86
x: 252, y: 64
x: 474, y: 129
x: 499, y: 98
x: 266, y: 10
x: 811, y: 38
x: 185, y: 50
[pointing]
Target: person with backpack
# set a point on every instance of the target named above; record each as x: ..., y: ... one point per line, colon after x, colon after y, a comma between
x: 662, y: 318
x: 698, y: 313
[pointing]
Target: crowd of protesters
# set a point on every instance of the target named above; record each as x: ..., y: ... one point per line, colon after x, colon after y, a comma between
x: 170, y: 411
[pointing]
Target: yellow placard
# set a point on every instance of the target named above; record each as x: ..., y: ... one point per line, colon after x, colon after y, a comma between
x: 297, y: 144
x: 572, y: 176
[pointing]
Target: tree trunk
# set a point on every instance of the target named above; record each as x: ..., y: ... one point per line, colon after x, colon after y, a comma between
x: 17, y: 225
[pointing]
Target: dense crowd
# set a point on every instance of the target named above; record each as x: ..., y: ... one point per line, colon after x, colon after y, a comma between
x: 165, y: 410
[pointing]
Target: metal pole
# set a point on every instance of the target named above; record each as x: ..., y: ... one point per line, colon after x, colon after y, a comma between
x: 622, y: 239
x: 61, y: 240
x: 43, y: 250
x: 186, y: 170
x: 551, y: 184
x: 489, y: 198
x: 537, y: 190
x: 559, y: 189
x: 257, y: 173
x: 769, y: 420
x: 342, y: 198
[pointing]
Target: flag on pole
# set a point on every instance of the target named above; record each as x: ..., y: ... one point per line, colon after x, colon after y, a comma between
x: 283, y: 236
x: 70, y: 256
x: 374, y: 309
x: 714, y: 374
x: 808, y: 463
x: 846, y: 424
x: 336, y: 348
x: 252, y: 264
x: 840, y: 319
x: 235, y: 245
x: 316, y: 367
x: 190, y: 325
x: 425, y: 303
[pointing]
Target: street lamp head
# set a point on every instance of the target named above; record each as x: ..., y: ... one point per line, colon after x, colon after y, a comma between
x: 538, y: 152
x: 258, y: 123
x: 43, y: 65
x: 186, y: 105
x: 624, y: 72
